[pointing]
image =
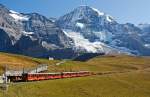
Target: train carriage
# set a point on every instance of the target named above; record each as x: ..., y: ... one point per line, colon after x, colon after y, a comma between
x: 47, y: 76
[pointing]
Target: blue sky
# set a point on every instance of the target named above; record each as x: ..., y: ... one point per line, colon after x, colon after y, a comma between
x: 133, y: 11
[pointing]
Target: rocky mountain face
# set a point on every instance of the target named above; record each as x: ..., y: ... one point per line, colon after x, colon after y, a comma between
x: 84, y: 30
x: 30, y: 34
x: 5, y: 42
x: 145, y: 34
x: 101, y: 28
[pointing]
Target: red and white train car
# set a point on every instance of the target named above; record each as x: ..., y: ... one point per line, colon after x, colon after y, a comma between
x: 48, y: 76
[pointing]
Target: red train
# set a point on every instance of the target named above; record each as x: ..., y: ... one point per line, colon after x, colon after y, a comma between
x: 47, y: 76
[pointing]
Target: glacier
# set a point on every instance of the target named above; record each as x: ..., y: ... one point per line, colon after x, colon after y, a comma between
x: 17, y: 16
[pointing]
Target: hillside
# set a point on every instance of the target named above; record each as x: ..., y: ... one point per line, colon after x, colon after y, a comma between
x: 119, y: 76
x: 17, y: 62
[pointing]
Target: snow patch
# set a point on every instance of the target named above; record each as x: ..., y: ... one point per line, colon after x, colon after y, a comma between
x: 84, y: 44
x: 11, y: 11
x: 109, y: 18
x: 17, y: 16
x: 49, y: 46
x: 147, y: 45
x: 81, y: 25
x: 104, y: 36
x: 27, y: 33
x: 96, y: 10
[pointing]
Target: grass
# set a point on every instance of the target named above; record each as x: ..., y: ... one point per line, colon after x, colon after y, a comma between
x: 107, y: 63
x: 134, y: 82
x: 17, y: 62
x: 118, y: 85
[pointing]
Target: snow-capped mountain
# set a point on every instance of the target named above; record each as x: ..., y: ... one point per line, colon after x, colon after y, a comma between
x: 85, y: 29
x: 89, y: 21
x: 31, y: 34
x: 85, y: 26
x: 102, y: 31
x: 85, y: 16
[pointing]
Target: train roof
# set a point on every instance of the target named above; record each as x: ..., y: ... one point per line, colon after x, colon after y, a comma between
x: 45, y: 73
x: 76, y: 72
x: 59, y: 72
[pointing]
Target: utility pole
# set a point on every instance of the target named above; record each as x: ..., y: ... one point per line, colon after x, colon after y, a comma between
x: 5, y: 78
x: 5, y: 86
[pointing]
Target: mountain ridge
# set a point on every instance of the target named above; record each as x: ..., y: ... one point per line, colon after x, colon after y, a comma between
x: 97, y: 28
x: 83, y: 30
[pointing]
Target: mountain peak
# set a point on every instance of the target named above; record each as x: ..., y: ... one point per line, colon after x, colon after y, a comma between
x: 88, y: 14
x: 88, y: 8
x: 85, y: 16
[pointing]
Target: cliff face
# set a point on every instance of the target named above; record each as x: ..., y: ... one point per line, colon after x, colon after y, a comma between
x: 84, y: 30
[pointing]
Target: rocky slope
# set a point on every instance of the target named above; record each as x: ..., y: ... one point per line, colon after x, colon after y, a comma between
x: 102, y: 29
x: 84, y: 30
x: 30, y: 34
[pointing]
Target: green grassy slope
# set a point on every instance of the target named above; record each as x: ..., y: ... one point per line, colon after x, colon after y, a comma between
x: 107, y: 63
x: 133, y: 82
x: 118, y: 85
x: 17, y: 62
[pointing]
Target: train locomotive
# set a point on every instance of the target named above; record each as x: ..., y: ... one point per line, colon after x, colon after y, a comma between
x: 48, y: 76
